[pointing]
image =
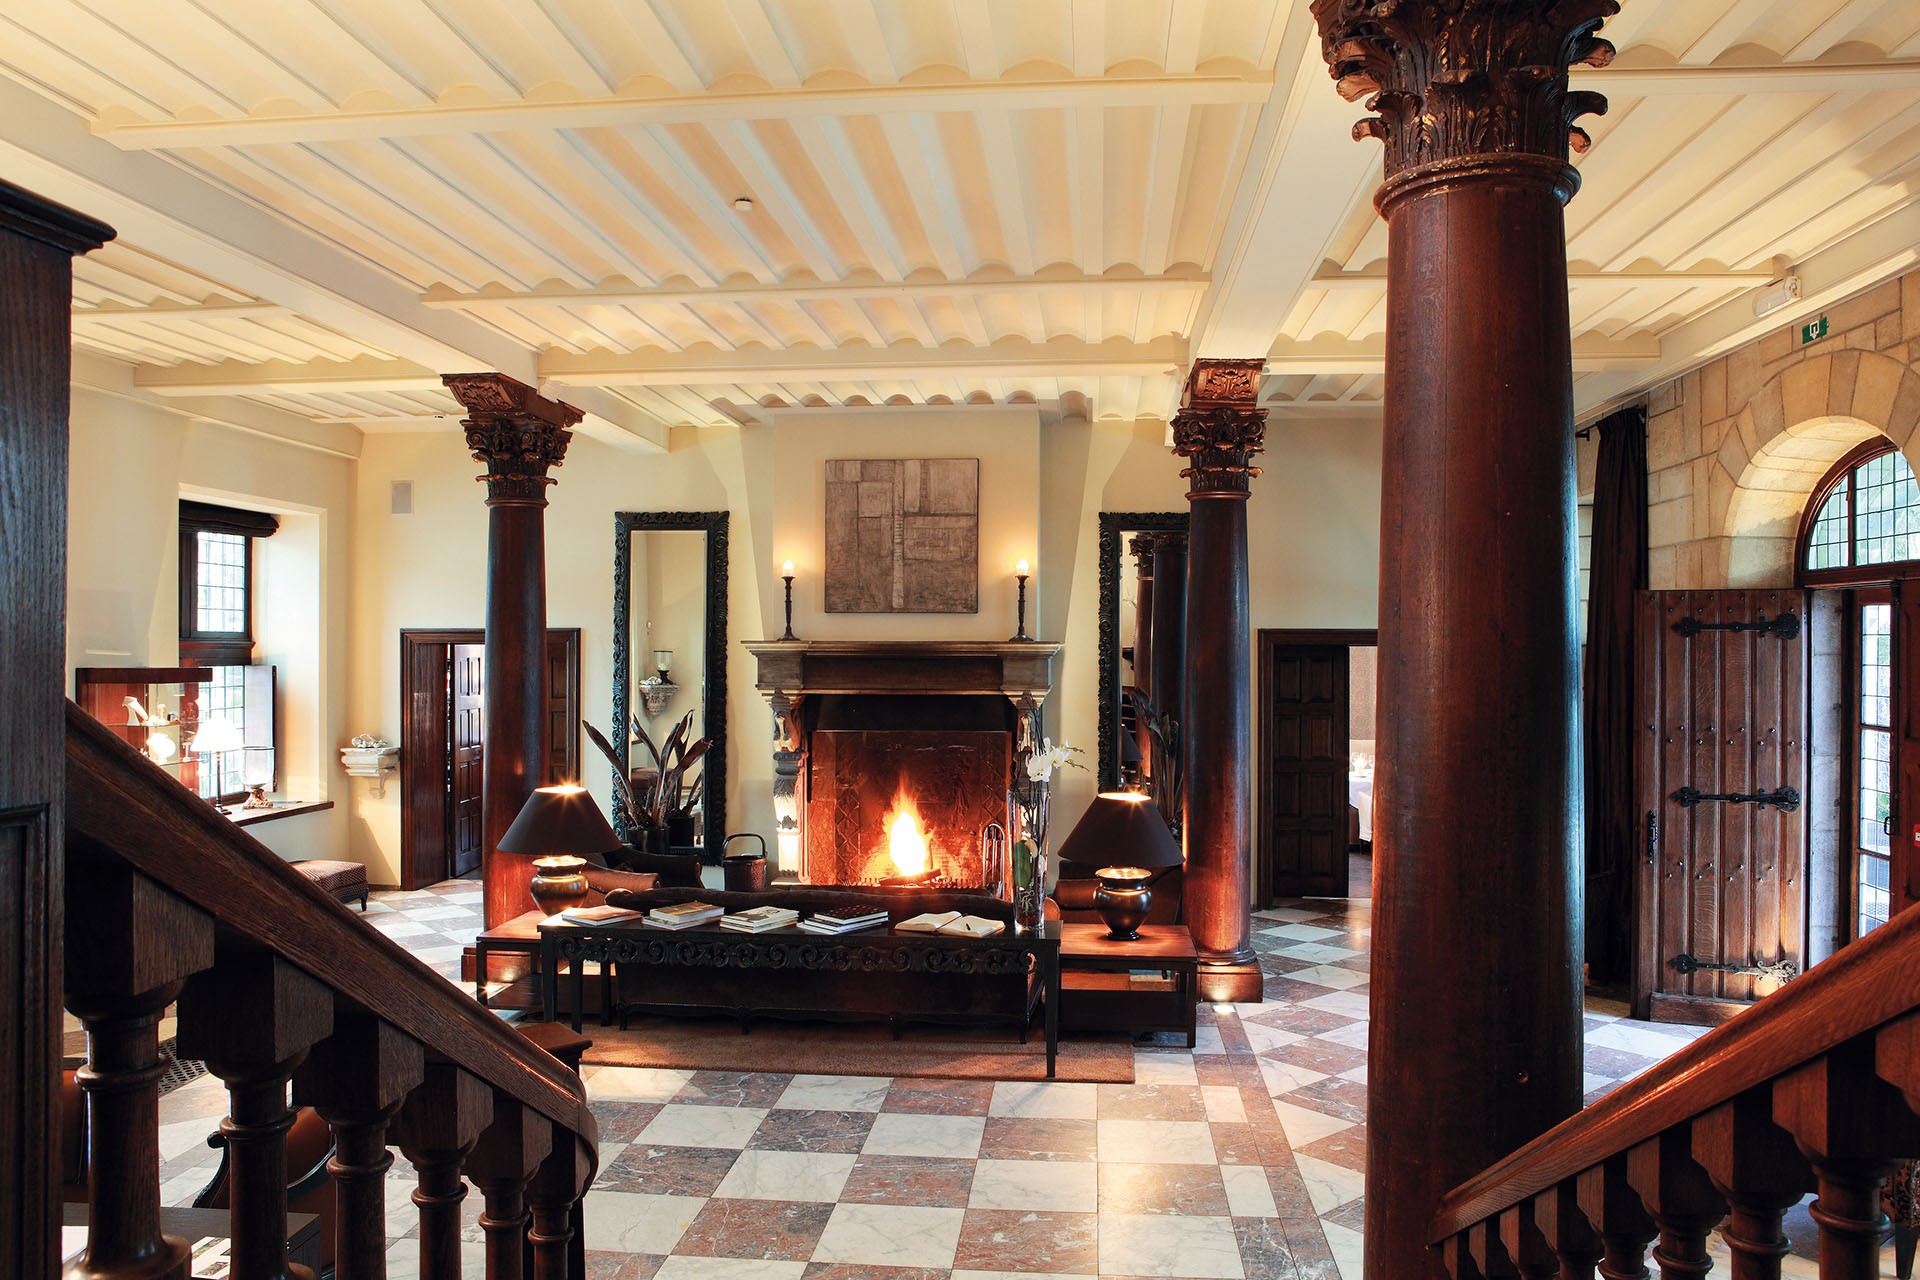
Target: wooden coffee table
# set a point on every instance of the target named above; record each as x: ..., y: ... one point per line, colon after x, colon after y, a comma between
x: 1102, y: 983
x: 521, y: 936
x: 855, y: 957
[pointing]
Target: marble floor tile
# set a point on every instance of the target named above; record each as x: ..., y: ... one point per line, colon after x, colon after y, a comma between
x: 1055, y: 1100
x: 681, y: 1124
x: 1156, y: 1245
x: 1061, y: 1186
x: 917, y: 1180
x: 891, y: 1235
x: 787, y: 1129
x: 925, y: 1135
x: 1162, y: 1188
x: 1156, y: 1142
x: 766, y: 1229
x: 787, y: 1175
x: 834, y: 1093
x: 635, y: 1223
x: 1019, y: 1241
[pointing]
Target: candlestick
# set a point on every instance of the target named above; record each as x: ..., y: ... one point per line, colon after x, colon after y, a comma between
x: 786, y: 576
x: 1020, y: 573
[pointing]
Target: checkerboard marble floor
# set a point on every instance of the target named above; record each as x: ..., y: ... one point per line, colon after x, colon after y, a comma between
x: 1242, y: 1157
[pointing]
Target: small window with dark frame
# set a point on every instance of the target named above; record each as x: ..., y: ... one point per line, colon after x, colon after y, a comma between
x: 235, y: 706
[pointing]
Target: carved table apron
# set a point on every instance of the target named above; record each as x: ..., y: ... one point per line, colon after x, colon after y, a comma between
x: 854, y: 954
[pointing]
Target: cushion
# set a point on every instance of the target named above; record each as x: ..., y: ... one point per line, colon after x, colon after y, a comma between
x: 334, y: 877
x: 675, y: 870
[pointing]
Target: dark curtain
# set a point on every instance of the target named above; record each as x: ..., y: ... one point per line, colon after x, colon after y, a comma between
x: 1619, y: 569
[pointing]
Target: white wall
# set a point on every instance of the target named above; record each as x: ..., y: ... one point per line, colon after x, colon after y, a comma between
x: 131, y: 463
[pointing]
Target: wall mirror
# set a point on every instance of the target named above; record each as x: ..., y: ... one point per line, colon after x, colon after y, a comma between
x: 670, y: 650
x: 1117, y: 601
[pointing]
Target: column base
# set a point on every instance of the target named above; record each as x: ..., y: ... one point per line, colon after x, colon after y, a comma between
x: 1227, y: 982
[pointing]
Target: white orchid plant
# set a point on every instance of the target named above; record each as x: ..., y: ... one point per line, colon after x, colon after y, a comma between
x: 1030, y: 820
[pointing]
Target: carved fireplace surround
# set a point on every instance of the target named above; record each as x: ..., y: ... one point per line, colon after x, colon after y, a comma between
x: 804, y: 679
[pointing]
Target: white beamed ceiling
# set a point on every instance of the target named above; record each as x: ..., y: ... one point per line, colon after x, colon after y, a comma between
x: 954, y: 201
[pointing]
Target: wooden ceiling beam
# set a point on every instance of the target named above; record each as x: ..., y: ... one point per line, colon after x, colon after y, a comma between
x: 218, y: 310
x: 605, y: 111
x: 818, y: 291
x: 904, y: 362
x: 238, y: 377
x: 1376, y: 278
x: 1369, y: 355
x: 1894, y: 74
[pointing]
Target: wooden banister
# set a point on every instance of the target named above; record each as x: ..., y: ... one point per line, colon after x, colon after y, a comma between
x: 121, y: 808
x: 1834, y: 1014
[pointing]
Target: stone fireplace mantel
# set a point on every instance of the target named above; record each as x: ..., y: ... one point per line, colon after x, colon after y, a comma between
x: 792, y: 672
x: 1020, y: 669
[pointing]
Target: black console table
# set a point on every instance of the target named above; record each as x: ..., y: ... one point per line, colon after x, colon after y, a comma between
x: 858, y: 957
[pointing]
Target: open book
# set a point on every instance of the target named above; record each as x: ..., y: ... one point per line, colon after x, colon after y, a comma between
x: 952, y: 922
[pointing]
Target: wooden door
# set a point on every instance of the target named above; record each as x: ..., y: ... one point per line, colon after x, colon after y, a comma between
x: 466, y: 755
x: 1720, y: 775
x: 1303, y: 791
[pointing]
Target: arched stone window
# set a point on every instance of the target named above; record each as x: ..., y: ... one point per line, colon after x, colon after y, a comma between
x: 1859, y: 531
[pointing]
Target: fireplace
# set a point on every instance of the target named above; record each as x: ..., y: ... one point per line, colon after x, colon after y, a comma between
x: 864, y: 730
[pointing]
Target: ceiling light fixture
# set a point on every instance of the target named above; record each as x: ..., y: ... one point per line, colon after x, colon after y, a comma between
x: 1776, y: 294
x: 742, y: 204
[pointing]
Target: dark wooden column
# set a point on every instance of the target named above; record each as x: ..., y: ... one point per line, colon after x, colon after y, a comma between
x: 519, y: 435
x: 37, y: 242
x: 1219, y: 428
x: 1476, y: 977
x: 1169, y: 669
x: 1141, y: 547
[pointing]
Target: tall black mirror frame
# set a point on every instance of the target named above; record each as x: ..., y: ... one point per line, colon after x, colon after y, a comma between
x: 713, y: 703
x: 1114, y: 527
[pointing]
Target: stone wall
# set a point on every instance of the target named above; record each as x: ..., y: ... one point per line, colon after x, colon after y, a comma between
x: 1735, y: 447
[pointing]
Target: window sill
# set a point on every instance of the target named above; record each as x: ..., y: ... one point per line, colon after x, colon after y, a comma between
x: 281, y: 809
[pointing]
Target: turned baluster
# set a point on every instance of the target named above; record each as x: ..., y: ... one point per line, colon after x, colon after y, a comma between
x: 127, y: 955
x: 1614, y: 1208
x: 1759, y: 1172
x: 503, y: 1162
x: 1456, y: 1253
x: 1557, y: 1216
x: 555, y: 1194
x: 1489, y: 1251
x: 1525, y: 1244
x: 356, y: 1079
x: 1854, y: 1128
x: 435, y: 1128
x: 1681, y: 1198
x: 251, y: 1018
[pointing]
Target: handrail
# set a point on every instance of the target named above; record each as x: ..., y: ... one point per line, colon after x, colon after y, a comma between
x: 122, y: 806
x: 1869, y: 983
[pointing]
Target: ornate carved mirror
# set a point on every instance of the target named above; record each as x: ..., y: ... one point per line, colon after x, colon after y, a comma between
x: 1118, y: 600
x: 670, y: 614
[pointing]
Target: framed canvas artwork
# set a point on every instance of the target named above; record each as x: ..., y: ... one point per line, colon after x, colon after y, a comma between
x: 903, y: 535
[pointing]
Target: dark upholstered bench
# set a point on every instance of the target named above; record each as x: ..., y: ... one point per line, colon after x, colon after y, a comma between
x: 344, y: 880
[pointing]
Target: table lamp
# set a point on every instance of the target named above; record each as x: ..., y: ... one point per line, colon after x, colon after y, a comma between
x: 214, y: 739
x: 1123, y: 835
x: 557, y: 825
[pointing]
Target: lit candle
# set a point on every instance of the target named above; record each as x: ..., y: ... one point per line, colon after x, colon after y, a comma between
x: 1021, y: 569
x: 786, y: 569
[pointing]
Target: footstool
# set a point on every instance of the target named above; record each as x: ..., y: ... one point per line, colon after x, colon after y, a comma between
x: 344, y: 880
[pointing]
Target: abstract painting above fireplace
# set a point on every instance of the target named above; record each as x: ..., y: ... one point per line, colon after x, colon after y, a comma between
x: 903, y: 535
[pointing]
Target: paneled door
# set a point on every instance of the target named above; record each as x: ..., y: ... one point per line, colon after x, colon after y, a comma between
x: 1720, y: 771
x: 1303, y: 762
x: 466, y: 757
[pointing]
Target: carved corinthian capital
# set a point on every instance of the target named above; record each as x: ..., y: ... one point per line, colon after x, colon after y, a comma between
x: 516, y: 432
x: 1220, y: 426
x: 1458, y: 78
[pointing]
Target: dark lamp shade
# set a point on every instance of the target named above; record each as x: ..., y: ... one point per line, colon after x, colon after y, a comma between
x: 1129, y: 749
x: 1121, y: 828
x: 559, y: 820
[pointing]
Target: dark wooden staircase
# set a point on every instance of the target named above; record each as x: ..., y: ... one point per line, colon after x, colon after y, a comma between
x: 282, y: 991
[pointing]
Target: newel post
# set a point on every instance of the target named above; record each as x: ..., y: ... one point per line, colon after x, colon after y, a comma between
x: 1219, y: 429
x: 1476, y: 990
x: 519, y: 435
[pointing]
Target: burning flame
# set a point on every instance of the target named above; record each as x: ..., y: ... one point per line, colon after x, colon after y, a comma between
x: 906, y: 842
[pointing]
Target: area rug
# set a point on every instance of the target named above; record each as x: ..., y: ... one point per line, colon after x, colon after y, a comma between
x: 832, y: 1049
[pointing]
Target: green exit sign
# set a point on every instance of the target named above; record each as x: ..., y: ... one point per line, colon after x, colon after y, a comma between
x: 1813, y: 331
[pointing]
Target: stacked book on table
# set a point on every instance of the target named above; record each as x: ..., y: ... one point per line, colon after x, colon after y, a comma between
x: 951, y: 922
x: 683, y: 915
x: 599, y: 915
x: 842, y: 922
x: 759, y: 919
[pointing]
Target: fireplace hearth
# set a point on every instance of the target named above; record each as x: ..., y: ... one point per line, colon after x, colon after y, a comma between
x: 863, y: 727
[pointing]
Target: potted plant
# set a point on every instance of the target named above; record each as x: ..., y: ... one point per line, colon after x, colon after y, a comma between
x: 645, y: 808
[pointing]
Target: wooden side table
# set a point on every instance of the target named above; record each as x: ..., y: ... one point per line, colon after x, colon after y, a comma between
x: 521, y: 936
x: 1150, y: 984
